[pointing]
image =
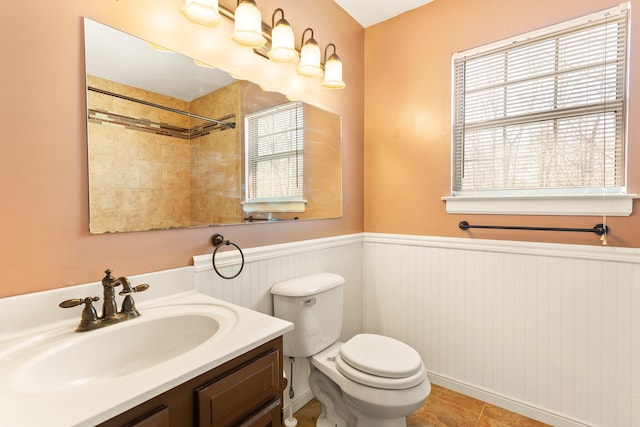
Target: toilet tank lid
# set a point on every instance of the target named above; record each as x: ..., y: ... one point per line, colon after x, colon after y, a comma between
x: 307, y: 285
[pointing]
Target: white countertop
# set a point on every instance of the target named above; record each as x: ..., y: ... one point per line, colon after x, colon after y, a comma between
x: 94, y: 402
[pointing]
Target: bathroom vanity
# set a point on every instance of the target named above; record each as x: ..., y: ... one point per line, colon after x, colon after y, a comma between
x: 187, y: 360
x: 245, y: 391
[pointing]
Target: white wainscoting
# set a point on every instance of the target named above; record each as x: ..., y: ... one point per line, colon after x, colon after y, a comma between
x: 550, y: 331
x: 265, y: 266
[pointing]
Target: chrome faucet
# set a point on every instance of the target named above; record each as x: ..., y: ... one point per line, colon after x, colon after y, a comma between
x: 110, y: 315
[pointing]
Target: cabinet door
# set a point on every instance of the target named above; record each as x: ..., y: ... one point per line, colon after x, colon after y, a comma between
x: 230, y: 399
x: 269, y: 416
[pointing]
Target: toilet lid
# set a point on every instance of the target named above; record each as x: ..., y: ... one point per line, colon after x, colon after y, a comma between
x: 379, y: 382
x: 381, y: 356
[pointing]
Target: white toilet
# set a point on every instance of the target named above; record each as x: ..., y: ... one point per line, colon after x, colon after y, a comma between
x: 368, y: 381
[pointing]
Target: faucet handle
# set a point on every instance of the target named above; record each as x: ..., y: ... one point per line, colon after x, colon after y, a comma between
x: 140, y: 288
x: 89, y: 318
x: 74, y: 302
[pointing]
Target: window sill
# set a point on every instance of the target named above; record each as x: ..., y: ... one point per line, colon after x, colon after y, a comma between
x: 575, y: 205
x: 274, y: 206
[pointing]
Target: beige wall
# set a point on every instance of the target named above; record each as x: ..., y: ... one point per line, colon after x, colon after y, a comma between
x: 408, y: 108
x: 44, y: 188
x: 44, y: 191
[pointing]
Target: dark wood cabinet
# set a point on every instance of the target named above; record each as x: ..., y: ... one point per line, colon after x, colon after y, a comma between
x: 268, y: 416
x: 156, y: 418
x: 226, y: 401
x: 246, y: 391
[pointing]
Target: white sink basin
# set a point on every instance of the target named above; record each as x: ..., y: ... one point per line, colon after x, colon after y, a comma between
x: 60, y: 360
x: 50, y: 374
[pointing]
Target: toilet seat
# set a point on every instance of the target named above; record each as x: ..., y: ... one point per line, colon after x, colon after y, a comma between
x: 381, y: 362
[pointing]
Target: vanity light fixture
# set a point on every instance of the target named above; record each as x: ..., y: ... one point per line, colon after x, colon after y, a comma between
x: 283, y: 47
x: 309, y: 57
x: 248, y: 25
x: 250, y: 31
x: 203, y: 12
x: 332, y: 70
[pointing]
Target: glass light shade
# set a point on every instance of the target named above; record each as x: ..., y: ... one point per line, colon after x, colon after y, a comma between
x: 310, y: 59
x: 248, y: 25
x: 282, y: 43
x: 333, y: 73
x: 203, y: 12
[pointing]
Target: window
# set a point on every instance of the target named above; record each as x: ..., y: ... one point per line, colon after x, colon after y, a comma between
x: 275, y: 159
x: 543, y: 114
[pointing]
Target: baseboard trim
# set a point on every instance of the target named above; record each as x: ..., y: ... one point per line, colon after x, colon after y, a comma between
x: 505, y: 402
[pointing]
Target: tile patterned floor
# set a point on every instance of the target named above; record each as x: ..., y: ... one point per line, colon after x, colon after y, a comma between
x: 443, y: 408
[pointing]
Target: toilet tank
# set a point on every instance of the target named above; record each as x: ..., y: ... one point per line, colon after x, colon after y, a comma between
x: 313, y: 304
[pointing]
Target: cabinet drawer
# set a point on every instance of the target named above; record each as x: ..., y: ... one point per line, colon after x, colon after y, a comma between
x: 156, y: 418
x: 227, y: 400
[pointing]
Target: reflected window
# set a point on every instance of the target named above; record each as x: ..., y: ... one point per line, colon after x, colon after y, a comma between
x: 275, y: 157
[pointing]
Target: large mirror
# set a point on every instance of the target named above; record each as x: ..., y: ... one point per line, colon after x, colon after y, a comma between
x: 175, y: 143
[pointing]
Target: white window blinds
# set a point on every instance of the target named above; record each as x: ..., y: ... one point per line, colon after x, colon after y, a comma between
x: 275, y: 160
x: 543, y: 113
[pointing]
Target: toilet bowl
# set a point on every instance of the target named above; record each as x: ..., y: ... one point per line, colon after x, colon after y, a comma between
x: 386, y: 405
x: 368, y: 381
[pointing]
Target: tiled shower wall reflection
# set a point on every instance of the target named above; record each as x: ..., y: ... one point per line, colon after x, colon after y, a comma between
x: 151, y: 168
